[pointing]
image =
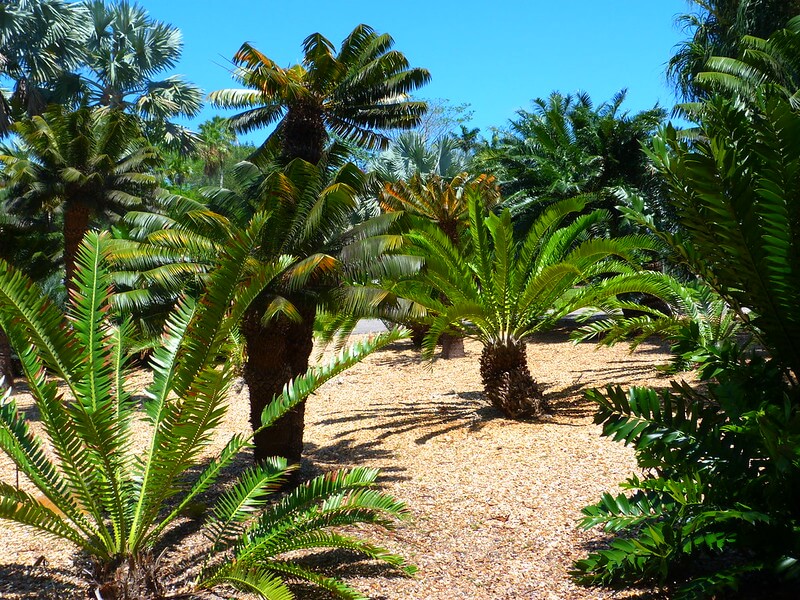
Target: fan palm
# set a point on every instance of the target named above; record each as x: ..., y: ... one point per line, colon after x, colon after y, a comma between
x: 352, y: 94
x: 85, y: 163
x: 114, y: 500
x: 500, y: 291
x: 309, y: 234
x: 410, y: 153
x: 126, y: 50
x: 41, y: 42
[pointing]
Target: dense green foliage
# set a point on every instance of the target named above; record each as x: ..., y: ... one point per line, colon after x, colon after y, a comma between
x: 116, y: 500
x: 718, y: 499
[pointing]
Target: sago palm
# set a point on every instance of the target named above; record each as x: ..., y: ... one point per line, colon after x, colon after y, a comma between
x: 353, y: 94
x: 500, y: 290
x: 115, y: 500
x: 309, y: 235
x: 85, y: 164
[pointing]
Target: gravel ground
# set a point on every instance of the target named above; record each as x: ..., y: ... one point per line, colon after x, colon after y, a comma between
x: 494, y: 501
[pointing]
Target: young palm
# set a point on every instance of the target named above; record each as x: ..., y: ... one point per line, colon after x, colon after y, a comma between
x: 499, y: 290
x: 115, y: 500
x: 85, y: 163
x: 352, y: 94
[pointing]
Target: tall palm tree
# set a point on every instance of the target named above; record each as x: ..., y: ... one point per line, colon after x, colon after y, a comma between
x: 717, y: 28
x: 309, y: 236
x: 352, y: 94
x: 125, y: 53
x: 82, y: 164
x: 41, y: 42
x: 216, y: 146
x: 411, y: 153
x: 499, y: 290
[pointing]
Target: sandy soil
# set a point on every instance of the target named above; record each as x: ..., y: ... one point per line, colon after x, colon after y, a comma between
x: 494, y: 502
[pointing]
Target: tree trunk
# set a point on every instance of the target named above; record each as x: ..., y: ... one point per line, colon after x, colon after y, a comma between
x: 304, y: 133
x: 508, y: 383
x: 76, y: 224
x: 276, y: 353
x: 452, y: 346
x: 6, y: 366
x: 129, y: 579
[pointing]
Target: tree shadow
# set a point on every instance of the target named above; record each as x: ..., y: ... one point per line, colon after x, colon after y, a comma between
x: 40, y: 582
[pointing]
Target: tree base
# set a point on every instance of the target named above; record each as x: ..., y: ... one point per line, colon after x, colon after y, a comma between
x: 508, y: 382
x: 130, y: 579
x: 452, y: 346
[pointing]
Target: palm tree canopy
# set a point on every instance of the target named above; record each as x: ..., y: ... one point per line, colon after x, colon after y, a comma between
x: 41, y: 42
x: 352, y: 94
x: 499, y: 289
x: 126, y: 52
x: 717, y: 29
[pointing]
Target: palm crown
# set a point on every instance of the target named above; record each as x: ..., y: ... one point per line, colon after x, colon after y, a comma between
x: 352, y: 94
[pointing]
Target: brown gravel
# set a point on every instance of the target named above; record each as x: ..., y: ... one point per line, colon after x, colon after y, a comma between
x: 494, y: 501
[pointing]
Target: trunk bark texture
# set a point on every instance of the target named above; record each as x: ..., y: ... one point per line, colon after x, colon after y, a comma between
x: 452, y: 346
x: 304, y: 133
x: 6, y: 366
x: 276, y: 353
x: 129, y: 579
x: 508, y: 382
x: 76, y: 223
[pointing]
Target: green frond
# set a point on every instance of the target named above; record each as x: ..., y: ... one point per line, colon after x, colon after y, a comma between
x: 297, y: 390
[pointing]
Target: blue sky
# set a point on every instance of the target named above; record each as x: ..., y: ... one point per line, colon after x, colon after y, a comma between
x: 495, y: 55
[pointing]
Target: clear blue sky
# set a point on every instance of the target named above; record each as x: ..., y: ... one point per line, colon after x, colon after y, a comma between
x: 495, y: 55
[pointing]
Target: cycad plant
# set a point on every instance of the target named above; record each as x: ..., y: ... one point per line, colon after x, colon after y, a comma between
x: 309, y: 236
x: 717, y: 507
x: 500, y: 290
x: 116, y: 501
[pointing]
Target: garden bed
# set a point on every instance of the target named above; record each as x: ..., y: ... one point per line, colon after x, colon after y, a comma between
x: 494, y: 501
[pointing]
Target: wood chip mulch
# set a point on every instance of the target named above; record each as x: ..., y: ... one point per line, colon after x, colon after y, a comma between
x: 494, y: 502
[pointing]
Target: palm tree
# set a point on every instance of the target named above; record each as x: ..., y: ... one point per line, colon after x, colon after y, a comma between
x: 411, y: 153
x: 126, y: 50
x: 772, y: 64
x: 41, y: 43
x: 114, y: 499
x: 309, y: 236
x: 84, y: 164
x: 499, y: 291
x: 216, y: 146
x: 352, y: 94
x: 443, y: 202
x: 565, y: 147
x: 717, y: 29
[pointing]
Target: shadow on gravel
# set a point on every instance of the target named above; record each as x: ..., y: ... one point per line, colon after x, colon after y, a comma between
x: 35, y: 582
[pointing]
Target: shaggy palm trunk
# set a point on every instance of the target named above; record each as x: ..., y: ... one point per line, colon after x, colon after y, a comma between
x: 304, y: 133
x: 276, y: 352
x: 129, y: 579
x: 76, y: 223
x: 507, y: 381
x: 6, y: 366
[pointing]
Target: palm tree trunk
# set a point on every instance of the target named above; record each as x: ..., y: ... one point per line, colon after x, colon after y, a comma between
x: 276, y: 353
x: 76, y: 223
x: 304, y: 133
x: 6, y: 366
x: 507, y: 381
